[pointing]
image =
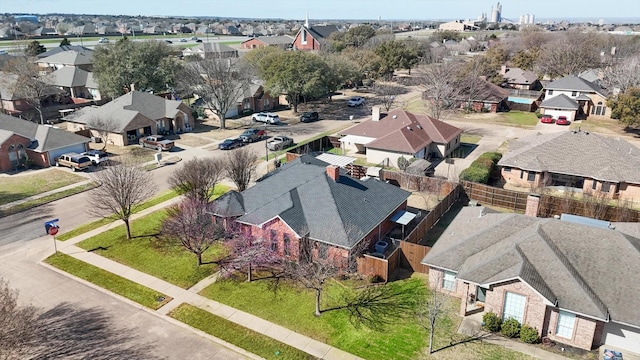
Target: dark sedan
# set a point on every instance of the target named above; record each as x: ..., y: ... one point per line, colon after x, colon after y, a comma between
x: 229, y: 144
x: 309, y: 116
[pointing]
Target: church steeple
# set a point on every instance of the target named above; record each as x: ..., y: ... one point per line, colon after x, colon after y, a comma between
x: 306, y: 20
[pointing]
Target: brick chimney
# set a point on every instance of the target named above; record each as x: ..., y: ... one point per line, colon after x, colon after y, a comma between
x: 375, y: 113
x: 334, y: 172
x: 533, y: 205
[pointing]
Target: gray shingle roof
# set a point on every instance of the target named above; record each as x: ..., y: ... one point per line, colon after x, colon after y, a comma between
x: 48, y: 138
x: 62, y: 48
x: 519, y: 76
x: 71, y: 57
x: 302, y: 194
x: 574, y: 83
x: 577, y: 153
x: 583, y: 269
x: 323, y: 31
x: 69, y: 76
x: 560, y: 101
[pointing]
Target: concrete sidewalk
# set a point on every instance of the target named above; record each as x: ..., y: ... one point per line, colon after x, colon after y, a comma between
x: 191, y: 296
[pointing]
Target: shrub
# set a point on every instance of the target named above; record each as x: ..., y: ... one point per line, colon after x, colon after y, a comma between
x: 493, y: 156
x: 475, y: 174
x: 510, y: 328
x: 529, y: 334
x: 491, y: 321
x: 403, y: 163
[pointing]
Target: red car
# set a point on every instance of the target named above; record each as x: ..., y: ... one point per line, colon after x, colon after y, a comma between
x: 562, y: 120
x: 546, y: 119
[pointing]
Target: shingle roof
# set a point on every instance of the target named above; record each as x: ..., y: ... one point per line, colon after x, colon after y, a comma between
x: 322, y: 31
x: 48, y: 138
x: 519, y: 76
x: 583, y: 269
x: 302, y: 194
x: 121, y: 111
x: 63, y: 48
x: 209, y: 47
x: 69, y: 76
x: 274, y: 40
x: 71, y: 57
x: 574, y: 83
x: 560, y: 101
x: 577, y: 153
x: 403, y: 131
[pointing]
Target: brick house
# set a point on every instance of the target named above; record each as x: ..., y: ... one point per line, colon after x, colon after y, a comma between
x: 386, y: 137
x: 283, y: 42
x: 572, y: 282
x: 312, y: 37
x: 575, y: 98
x: 308, y: 205
x: 589, y: 162
x: 21, y: 139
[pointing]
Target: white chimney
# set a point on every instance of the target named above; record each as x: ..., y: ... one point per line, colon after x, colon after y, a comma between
x: 375, y: 113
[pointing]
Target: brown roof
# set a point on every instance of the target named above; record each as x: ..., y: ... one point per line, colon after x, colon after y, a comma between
x: 402, y: 131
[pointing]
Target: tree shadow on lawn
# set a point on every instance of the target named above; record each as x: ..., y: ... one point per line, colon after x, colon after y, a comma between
x: 479, y: 336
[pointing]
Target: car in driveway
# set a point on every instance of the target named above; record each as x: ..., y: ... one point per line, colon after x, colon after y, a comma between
x: 103, y: 41
x: 355, y: 101
x: 267, y: 118
x: 547, y: 119
x: 309, y: 116
x: 229, y: 144
x: 562, y: 120
x: 74, y: 161
x: 251, y: 135
x: 97, y: 156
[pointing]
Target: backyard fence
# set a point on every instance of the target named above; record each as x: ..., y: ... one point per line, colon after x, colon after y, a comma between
x: 417, y: 234
x: 373, y: 266
x: 418, y: 183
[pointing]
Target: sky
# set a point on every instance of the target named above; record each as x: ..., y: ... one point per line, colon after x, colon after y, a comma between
x: 332, y: 9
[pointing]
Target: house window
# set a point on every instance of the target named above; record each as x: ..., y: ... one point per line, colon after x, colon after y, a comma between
x: 274, y: 244
x: 599, y: 109
x: 304, y: 36
x: 521, y: 174
x: 481, y: 294
x: 514, y: 305
x: 323, y: 250
x: 449, y: 280
x: 566, y: 321
x: 507, y: 169
x: 266, y: 103
x: 287, y: 244
x: 594, y: 184
x: 549, y: 92
x: 531, y: 176
x: 574, y: 93
x: 605, y: 187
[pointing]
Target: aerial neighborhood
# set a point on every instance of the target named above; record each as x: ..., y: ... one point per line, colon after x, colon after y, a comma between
x: 304, y: 186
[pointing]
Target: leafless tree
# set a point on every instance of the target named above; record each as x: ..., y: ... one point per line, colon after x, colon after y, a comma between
x: 567, y: 55
x: 198, y: 178
x: 218, y: 82
x: 622, y: 75
x: 595, y: 204
x: 103, y: 127
x: 439, y: 88
x: 249, y: 254
x: 387, y: 94
x: 240, y: 167
x: 18, y: 325
x: 122, y: 187
x: 191, y: 224
x: 26, y: 82
x: 430, y: 310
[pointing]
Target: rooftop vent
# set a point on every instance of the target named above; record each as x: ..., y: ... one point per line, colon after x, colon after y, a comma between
x: 419, y: 126
x: 395, y: 116
x: 409, y: 128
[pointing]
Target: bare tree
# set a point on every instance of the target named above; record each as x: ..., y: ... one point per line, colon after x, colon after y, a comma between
x: 240, y: 167
x: 26, y: 82
x: 622, y: 75
x: 430, y: 310
x: 249, y: 254
x: 567, y: 55
x: 103, y: 127
x: 386, y: 94
x: 439, y: 88
x: 191, y: 224
x: 122, y: 187
x: 218, y: 82
x: 18, y: 325
x: 198, y: 178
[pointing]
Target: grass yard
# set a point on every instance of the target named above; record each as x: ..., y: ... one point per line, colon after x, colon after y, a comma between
x: 146, y: 253
x: 235, y: 334
x: 46, y: 199
x: 470, y: 138
x: 274, y: 154
x: 519, y: 118
x: 293, y: 308
x: 112, y: 282
x: 18, y: 187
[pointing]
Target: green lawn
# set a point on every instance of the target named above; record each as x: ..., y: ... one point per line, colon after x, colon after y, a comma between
x: 46, y: 199
x: 146, y: 253
x: 112, y: 282
x: 470, y: 138
x: 274, y: 154
x: 519, y: 118
x: 235, y: 334
x: 18, y: 187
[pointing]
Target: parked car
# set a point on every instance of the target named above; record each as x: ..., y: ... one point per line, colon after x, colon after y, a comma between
x: 562, y: 120
x: 267, y: 118
x: 229, y: 144
x: 279, y: 143
x: 183, y: 40
x: 168, y: 41
x: 355, y: 101
x: 194, y: 38
x: 156, y: 142
x: 198, y: 41
x: 97, y: 157
x: 74, y: 161
x: 547, y: 119
x: 103, y: 41
x: 309, y: 116
x: 251, y: 135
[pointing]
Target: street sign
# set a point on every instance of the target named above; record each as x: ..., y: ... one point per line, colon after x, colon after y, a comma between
x: 53, y: 230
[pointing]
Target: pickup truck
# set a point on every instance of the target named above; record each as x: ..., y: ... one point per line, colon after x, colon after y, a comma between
x: 74, y: 161
x: 279, y: 143
x: 156, y: 142
x: 96, y: 156
x: 251, y: 135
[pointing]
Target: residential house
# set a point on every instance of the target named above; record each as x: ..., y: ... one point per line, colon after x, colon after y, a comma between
x: 516, y: 78
x: 78, y: 58
x: 312, y: 37
x: 76, y: 82
x: 22, y: 139
x: 252, y: 98
x: 63, y: 48
x: 589, y: 162
x: 386, y: 137
x: 308, y: 206
x: 131, y: 116
x: 574, y: 283
x: 283, y: 42
x: 12, y: 103
x: 211, y: 49
x: 480, y: 95
x: 575, y: 98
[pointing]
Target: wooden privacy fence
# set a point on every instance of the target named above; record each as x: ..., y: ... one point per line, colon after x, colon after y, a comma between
x: 373, y: 266
x: 489, y: 195
x: 418, y: 183
x: 416, y: 235
x: 412, y: 255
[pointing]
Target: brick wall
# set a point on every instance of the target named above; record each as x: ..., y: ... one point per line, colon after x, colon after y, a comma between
x: 586, y: 332
x: 535, y: 308
x: 15, y: 140
x: 280, y: 229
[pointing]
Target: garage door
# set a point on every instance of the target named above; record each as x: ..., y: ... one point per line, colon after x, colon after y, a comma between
x: 514, y: 307
x: 621, y: 336
x: 53, y: 154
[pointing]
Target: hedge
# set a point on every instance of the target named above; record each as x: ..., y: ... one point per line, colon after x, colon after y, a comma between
x: 481, y: 169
